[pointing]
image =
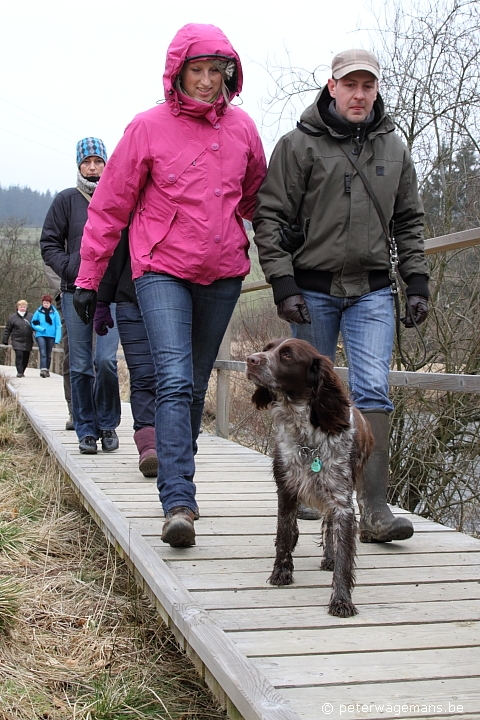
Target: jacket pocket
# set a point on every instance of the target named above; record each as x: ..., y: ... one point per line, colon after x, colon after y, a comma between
x: 188, y: 158
x: 150, y: 228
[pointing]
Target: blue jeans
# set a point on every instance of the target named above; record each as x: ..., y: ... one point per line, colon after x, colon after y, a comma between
x: 136, y: 348
x: 367, y: 324
x: 93, y: 374
x: 45, y: 347
x: 185, y: 325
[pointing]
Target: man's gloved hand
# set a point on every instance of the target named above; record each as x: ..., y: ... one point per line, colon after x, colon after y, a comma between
x: 85, y: 302
x: 294, y: 310
x: 292, y: 237
x: 35, y: 322
x: 419, y: 310
x: 103, y: 318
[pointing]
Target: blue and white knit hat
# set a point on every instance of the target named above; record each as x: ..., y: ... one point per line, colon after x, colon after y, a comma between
x: 88, y: 147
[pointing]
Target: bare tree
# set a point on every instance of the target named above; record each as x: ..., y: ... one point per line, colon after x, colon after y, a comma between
x: 21, y: 268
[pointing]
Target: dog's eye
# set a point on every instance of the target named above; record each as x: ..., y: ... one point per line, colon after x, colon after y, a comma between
x: 286, y: 355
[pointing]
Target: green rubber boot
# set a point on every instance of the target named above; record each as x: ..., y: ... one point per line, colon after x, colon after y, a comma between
x: 377, y: 522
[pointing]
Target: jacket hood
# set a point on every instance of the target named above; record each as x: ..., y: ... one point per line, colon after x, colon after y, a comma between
x: 199, y: 41
x: 318, y: 118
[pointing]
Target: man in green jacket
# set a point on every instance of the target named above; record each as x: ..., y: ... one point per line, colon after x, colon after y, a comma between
x: 323, y: 248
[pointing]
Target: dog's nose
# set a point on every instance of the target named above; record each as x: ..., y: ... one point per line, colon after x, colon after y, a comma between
x: 253, y: 360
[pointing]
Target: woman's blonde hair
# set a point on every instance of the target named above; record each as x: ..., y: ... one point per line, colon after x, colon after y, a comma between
x: 21, y: 302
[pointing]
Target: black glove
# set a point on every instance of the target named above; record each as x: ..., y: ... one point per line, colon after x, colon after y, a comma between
x: 85, y: 302
x: 292, y: 237
x: 418, y: 308
x: 35, y: 322
x: 294, y: 310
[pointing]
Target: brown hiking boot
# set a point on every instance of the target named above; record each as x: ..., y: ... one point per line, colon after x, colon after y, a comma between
x: 178, y: 528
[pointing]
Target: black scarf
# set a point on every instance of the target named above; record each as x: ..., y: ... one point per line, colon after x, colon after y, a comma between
x: 47, y: 311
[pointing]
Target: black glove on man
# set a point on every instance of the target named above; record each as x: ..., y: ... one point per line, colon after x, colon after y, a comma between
x: 294, y: 310
x: 85, y: 302
x: 418, y: 308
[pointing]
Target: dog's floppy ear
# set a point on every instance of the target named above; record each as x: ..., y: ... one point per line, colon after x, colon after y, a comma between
x: 262, y: 398
x: 330, y: 407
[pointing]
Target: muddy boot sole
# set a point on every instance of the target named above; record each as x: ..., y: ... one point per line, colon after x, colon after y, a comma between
x: 178, y: 531
x: 402, y: 530
x: 148, y: 466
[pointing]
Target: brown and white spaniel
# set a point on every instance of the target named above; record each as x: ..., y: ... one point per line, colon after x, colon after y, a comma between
x: 321, y: 445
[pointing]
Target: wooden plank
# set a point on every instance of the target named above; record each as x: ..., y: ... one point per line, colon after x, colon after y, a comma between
x: 380, y: 701
x: 371, y: 615
x: 375, y: 667
x: 188, y: 566
x: 361, y: 639
x: 292, y: 596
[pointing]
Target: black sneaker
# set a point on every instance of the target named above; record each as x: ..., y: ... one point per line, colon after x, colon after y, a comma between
x: 69, y: 425
x: 88, y: 445
x: 109, y: 440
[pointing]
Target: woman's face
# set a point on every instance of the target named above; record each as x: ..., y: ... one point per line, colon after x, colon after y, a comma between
x: 22, y: 308
x: 46, y: 304
x: 201, y: 80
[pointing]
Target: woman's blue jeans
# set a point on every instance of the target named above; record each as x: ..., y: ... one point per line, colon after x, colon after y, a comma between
x: 138, y: 357
x: 367, y: 324
x: 45, y: 347
x: 93, y: 374
x: 185, y: 324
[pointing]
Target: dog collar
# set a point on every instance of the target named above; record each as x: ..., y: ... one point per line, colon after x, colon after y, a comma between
x: 309, y: 455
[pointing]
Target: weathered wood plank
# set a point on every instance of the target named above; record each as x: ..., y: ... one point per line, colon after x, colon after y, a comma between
x: 315, y: 641
x: 371, y: 615
x: 292, y: 596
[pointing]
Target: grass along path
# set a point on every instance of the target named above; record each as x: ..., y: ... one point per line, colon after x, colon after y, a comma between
x: 77, y: 639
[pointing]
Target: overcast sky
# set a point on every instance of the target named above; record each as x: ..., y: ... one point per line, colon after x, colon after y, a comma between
x: 75, y: 69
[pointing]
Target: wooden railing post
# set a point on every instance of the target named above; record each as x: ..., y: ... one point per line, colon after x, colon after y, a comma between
x: 223, y: 387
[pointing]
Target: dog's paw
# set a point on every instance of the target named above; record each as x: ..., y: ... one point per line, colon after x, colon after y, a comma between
x: 342, y: 608
x: 281, y: 576
x: 327, y: 563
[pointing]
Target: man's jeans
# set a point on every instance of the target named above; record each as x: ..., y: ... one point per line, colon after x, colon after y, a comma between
x: 93, y: 374
x: 45, y: 347
x: 185, y: 324
x: 367, y: 324
x: 136, y: 349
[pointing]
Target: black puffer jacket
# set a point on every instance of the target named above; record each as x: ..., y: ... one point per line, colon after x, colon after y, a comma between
x: 62, y: 235
x: 19, y: 331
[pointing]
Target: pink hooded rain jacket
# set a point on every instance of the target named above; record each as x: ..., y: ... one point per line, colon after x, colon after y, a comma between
x: 188, y: 172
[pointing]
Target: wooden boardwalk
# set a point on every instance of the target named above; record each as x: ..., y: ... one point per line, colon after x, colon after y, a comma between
x: 268, y: 653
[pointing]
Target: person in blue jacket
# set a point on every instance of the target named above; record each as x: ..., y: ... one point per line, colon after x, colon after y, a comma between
x: 47, y: 326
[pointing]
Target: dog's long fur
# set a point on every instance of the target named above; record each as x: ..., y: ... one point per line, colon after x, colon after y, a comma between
x: 314, y: 419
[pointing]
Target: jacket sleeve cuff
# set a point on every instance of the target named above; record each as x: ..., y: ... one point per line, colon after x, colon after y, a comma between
x: 87, y: 275
x: 418, y: 285
x: 284, y: 287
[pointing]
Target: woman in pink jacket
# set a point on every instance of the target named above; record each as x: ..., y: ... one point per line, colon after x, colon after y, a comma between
x: 187, y: 171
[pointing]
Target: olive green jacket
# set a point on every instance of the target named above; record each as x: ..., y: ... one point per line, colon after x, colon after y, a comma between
x: 311, y: 181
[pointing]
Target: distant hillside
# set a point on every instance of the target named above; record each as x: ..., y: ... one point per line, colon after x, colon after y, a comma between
x: 23, y: 203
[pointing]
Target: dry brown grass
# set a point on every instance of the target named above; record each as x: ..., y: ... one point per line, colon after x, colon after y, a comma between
x: 77, y: 639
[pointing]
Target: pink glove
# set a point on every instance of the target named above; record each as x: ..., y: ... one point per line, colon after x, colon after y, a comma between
x: 102, y: 319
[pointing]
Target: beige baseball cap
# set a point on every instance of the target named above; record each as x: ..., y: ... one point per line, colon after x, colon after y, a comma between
x: 350, y: 60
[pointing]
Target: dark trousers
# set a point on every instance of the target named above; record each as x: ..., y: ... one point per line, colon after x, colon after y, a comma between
x: 66, y: 359
x: 21, y: 360
x: 138, y: 357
